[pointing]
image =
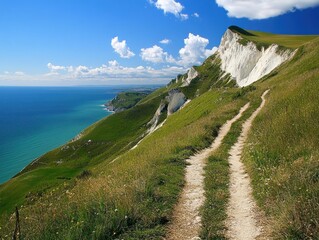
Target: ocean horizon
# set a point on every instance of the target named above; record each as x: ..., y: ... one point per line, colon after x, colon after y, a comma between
x: 35, y: 120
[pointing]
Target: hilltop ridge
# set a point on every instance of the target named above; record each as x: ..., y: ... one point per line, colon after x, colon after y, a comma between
x: 266, y: 39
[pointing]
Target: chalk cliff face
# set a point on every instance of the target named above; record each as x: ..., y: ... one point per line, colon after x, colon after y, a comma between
x: 191, y: 74
x: 245, y: 63
x: 154, y: 121
x: 172, y: 103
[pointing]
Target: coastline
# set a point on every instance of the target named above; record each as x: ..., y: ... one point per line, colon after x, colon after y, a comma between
x: 51, y: 129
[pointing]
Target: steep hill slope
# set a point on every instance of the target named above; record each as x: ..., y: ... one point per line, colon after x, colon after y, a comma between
x: 282, y: 151
x: 98, y: 187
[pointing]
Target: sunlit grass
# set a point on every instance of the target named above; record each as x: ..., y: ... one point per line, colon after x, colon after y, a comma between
x: 282, y: 152
x: 266, y: 39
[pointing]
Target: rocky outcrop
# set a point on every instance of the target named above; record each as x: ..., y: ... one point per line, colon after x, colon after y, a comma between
x: 245, y: 62
x: 191, y: 74
x: 154, y: 121
x: 172, y: 103
x: 176, y: 100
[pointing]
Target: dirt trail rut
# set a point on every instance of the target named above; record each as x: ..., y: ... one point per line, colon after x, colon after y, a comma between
x: 243, y: 221
x: 186, y: 220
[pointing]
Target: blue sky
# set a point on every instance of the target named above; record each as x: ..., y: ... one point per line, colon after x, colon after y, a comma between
x: 102, y: 42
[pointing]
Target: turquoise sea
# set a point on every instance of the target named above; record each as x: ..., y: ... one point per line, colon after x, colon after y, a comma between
x: 34, y: 120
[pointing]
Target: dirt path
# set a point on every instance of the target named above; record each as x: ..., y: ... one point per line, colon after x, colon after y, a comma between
x: 186, y: 220
x: 243, y: 221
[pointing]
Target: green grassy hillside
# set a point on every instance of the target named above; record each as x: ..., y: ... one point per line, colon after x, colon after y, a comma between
x: 282, y: 153
x: 96, y: 187
x: 266, y: 39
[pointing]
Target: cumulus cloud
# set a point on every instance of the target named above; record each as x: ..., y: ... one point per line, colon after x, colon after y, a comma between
x: 262, y: 9
x: 165, y: 41
x: 194, y: 51
x: 170, y: 6
x: 121, y: 48
x: 156, y: 54
x: 113, y: 63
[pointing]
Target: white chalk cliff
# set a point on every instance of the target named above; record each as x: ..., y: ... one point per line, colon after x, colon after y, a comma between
x: 154, y: 121
x: 245, y: 63
x: 191, y: 74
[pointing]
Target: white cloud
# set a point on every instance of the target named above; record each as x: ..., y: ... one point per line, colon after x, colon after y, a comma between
x: 121, y: 48
x: 170, y: 6
x: 113, y: 63
x: 156, y: 54
x: 194, y: 51
x: 196, y: 15
x: 54, y: 68
x: 165, y: 41
x: 184, y: 16
x: 262, y: 9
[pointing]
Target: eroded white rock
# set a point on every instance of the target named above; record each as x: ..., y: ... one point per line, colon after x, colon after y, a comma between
x: 191, y: 74
x: 245, y: 63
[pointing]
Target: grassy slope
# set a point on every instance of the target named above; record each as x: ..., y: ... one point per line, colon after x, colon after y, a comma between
x: 208, y: 78
x: 157, y: 93
x: 288, y: 41
x: 282, y: 151
x: 284, y: 138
